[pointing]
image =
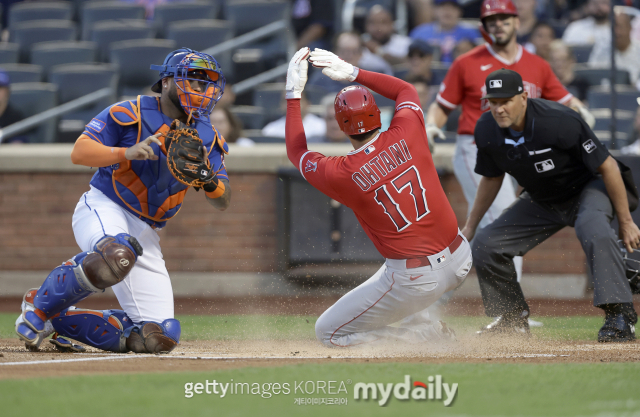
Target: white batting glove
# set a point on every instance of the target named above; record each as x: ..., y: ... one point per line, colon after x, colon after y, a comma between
x: 332, y: 66
x: 434, y: 132
x: 587, y: 116
x: 297, y: 74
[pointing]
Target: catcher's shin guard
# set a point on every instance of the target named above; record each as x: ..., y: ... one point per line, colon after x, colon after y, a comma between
x: 86, y: 273
x: 152, y: 337
x: 102, y: 329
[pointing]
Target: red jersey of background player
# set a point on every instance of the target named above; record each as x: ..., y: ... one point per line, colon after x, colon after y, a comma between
x: 464, y: 82
x: 390, y: 183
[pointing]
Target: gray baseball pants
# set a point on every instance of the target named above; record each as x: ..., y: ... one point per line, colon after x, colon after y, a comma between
x: 526, y: 224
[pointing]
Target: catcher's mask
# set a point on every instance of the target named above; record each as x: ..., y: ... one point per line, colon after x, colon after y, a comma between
x: 183, y: 65
x: 632, y: 267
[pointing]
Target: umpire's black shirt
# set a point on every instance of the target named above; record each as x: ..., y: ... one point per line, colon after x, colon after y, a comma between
x: 553, y: 159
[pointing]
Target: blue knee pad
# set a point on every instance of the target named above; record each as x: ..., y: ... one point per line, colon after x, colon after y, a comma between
x: 88, y: 273
x: 102, y: 329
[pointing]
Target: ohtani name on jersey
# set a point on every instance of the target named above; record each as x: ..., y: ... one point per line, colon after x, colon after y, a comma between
x: 381, y: 165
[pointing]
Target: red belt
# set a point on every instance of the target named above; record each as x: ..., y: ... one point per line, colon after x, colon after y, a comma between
x: 424, y: 261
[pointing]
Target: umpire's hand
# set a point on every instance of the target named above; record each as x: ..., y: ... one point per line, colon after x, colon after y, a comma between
x: 142, y: 150
x: 630, y: 235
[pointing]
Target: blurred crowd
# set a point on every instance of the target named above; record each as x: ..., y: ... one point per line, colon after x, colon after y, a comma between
x: 420, y: 49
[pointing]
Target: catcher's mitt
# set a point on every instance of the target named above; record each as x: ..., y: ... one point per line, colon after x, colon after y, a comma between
x: 187, y: 156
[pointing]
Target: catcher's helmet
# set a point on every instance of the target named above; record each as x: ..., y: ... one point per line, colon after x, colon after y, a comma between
x: 491, y: 7
x: 356, y: 110
x: 182, y: 63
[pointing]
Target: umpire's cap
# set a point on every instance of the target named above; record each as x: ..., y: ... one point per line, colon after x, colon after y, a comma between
x: 503, y: 83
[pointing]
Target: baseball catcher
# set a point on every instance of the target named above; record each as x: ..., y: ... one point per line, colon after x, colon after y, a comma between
x: 140, y: 185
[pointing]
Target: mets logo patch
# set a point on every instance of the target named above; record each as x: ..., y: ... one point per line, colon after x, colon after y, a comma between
x: 96, y: 125
x: 311, y: 166
x: 589, y: 146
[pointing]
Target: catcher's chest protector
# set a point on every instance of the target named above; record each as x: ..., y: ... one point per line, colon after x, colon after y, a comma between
x: 147, y: 188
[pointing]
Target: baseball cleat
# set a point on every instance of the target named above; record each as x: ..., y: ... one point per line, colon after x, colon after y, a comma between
x: 64, y: 345
x: 534, y: 323
x: 617, y: 328
x: 29, y: 327
x: 508, y: 324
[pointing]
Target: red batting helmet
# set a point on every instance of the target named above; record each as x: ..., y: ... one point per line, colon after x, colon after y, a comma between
x: 356, y: 110
x: 491, y: 7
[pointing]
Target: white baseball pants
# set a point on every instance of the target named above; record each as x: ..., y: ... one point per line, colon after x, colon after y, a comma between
x: 394, y: 293
x: 464, y: 163
x: 145, y: 294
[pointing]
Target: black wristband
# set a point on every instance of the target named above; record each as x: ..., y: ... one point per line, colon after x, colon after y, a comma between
x: 211, y: 186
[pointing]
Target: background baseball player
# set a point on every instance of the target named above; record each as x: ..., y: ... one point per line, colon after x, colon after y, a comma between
x: 464, y: 85
x: 140, y: 186
x: 569, y: 179
x: 391, y: 184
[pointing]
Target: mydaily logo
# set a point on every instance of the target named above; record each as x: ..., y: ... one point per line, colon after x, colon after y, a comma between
x: 432, y: 390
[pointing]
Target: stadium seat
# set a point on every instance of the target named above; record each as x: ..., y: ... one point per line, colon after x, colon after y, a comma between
x: 107, y: 32
x: 50, y: 54
x: 34, y: 98
x: 269, y: 97
x: 601, y: 76
x: 582, y: 53
x: 166, y: 13
x: 39, y: 10
x: 252, y: 117
x: 624, y: 119
x: 248, y: 15
x: 23, y: 73
x: 439, y: 70
x: 95, y: 11
x: 135, y: 57
x: 626, y: 97
x: 27, y: 33
x: 9, y: 53
x: 203, y: 34
x: 77, y: 80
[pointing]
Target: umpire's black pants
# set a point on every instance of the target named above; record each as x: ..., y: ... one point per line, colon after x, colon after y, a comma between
x: 526, y: 224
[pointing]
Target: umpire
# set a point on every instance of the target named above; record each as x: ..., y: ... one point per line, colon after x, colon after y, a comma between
x: 569, y: 179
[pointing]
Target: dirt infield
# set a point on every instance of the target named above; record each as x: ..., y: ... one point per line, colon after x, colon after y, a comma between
x: 16, y: 362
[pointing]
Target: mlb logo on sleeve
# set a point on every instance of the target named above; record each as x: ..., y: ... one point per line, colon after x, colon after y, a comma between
x: 544, y: 166
x: 96, y: 125
x: 369, y: 149
x: 495, y: 84
x: 311, y: 166
x: 589, y: 146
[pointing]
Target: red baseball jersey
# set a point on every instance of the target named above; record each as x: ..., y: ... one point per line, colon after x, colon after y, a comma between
x: 392, y: 186
x: 464, y: 82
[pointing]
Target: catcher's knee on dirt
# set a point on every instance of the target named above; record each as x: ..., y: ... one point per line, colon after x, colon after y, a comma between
x: 110, y: 262
x: 152, y: 337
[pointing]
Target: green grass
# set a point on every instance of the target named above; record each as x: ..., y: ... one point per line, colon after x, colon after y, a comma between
x: 484, y: 390
x: 236, y: 327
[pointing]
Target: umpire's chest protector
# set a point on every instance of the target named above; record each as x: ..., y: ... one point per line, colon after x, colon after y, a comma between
x: 147, y: 188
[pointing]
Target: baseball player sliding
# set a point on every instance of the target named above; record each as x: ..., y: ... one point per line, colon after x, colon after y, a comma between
x: 391, y: 184
x: 150, y: 151
x: 464, y: 85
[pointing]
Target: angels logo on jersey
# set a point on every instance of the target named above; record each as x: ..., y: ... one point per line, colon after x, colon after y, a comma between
x: 533, y: 90
x: 311, y: 166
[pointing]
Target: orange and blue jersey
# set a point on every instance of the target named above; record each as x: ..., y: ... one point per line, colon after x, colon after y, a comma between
x: 147, y: 188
